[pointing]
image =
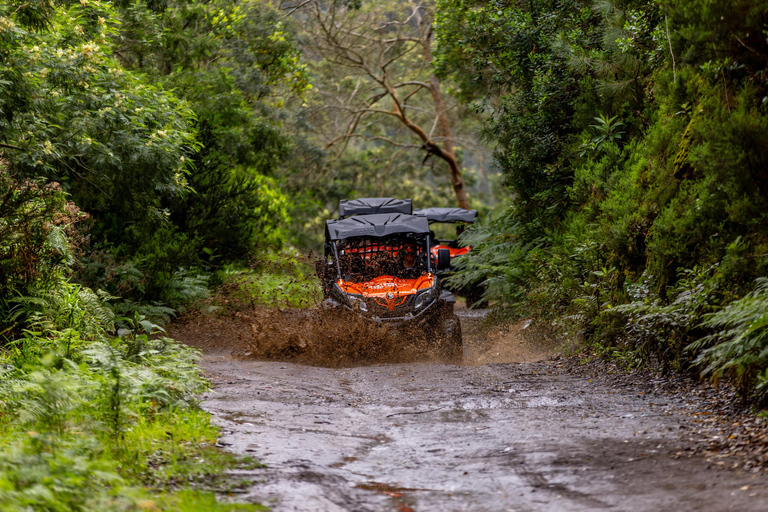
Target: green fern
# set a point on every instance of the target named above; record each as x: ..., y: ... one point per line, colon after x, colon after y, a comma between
x: 664, y: 329
x: 498, y: 260
x: 739, y: 347
x: 57, y: 241
x: 66, y: 306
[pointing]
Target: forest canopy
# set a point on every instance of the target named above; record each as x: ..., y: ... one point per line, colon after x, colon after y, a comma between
x: 158, y: 120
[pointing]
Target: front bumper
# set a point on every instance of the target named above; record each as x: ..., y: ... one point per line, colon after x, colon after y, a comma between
x: 405, y: 315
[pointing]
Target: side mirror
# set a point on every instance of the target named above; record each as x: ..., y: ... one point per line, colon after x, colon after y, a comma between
x: 443, y: 259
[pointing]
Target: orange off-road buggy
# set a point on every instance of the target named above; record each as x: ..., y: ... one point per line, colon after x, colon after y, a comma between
x: 379, y: 266
x: 460, y: 218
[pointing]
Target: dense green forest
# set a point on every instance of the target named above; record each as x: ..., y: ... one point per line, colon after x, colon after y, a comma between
x: 139, y: 145
x: 151, y: 150
x: 632, y: 138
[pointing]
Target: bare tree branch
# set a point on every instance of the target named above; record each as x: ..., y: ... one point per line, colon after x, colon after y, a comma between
x: 378, y: 48
x: 374, y: 138
x: 289, y: 11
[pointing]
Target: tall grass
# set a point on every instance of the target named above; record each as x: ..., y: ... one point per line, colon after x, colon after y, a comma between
x: 282, y: 279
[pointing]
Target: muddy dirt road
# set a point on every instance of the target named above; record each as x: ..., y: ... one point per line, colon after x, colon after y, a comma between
x: 516, y: 436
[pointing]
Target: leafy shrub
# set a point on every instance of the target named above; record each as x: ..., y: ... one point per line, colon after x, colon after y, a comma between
x: 36, y: 475
x: 277, y: 279
x: 38, y: 239
x: 77, y: 403
x: 185, y: 288
x: 499, y: 259
x: 66, y: 306
x: 739, y: 347
x: 663, y: 330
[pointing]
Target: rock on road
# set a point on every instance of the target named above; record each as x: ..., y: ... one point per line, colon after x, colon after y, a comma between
x: 440, y: 438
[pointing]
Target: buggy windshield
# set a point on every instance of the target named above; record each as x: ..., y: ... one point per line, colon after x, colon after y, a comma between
x: 362, y: 259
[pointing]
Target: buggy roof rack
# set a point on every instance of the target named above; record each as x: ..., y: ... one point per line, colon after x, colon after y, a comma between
x: 373, y: 205
x: 447, y: 214
x: 378, y: 225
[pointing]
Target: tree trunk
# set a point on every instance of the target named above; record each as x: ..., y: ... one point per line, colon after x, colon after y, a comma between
x: 434, y: 149
x: 457, y: 180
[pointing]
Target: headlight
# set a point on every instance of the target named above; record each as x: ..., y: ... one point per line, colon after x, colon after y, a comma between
x: 423, y: 299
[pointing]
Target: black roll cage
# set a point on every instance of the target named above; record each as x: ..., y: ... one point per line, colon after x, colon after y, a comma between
x: 331, y: 247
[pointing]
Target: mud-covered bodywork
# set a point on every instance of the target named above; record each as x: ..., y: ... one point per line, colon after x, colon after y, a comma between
x: 365, y: 255
x: 379, y: 267
x: 389, y: 297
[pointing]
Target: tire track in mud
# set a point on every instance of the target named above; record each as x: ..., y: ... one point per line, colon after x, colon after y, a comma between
x: 422, y: 436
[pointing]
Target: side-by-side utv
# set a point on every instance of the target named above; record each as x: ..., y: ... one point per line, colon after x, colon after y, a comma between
x: 457, y: 216
x: 380, y: 266
x: 460, y: 218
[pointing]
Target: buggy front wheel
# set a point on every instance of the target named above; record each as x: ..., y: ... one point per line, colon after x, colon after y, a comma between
x: 451, y: 347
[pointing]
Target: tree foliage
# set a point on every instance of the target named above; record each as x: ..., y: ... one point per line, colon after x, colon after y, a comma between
x: 377, y: 105
x: 233, y: 62
x: 74, y: 116
x: 630, y: 138
x: 161, y: 120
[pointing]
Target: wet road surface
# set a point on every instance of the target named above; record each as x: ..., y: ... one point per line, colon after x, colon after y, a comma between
x: 434, y: 437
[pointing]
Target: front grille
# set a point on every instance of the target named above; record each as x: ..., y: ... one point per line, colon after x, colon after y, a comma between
x: 403, y: 313
x: 377, y: 307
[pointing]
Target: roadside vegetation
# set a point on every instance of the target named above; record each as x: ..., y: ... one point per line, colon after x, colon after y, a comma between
x: 631, y: 136
x: 278, y: 279
x: 97, y: 411
x: 127, y: 179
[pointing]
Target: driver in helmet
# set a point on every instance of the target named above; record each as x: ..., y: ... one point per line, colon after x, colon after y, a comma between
x: 412, y: 266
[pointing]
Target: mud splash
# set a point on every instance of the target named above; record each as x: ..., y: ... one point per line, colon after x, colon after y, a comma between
x: 315, y: 337
x: 335, y: 338
x: 519, y: 342
x: 339, y: 339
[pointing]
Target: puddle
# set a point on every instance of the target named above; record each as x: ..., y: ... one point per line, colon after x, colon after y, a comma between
x: 386, y: 488
x: 242, y: 418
